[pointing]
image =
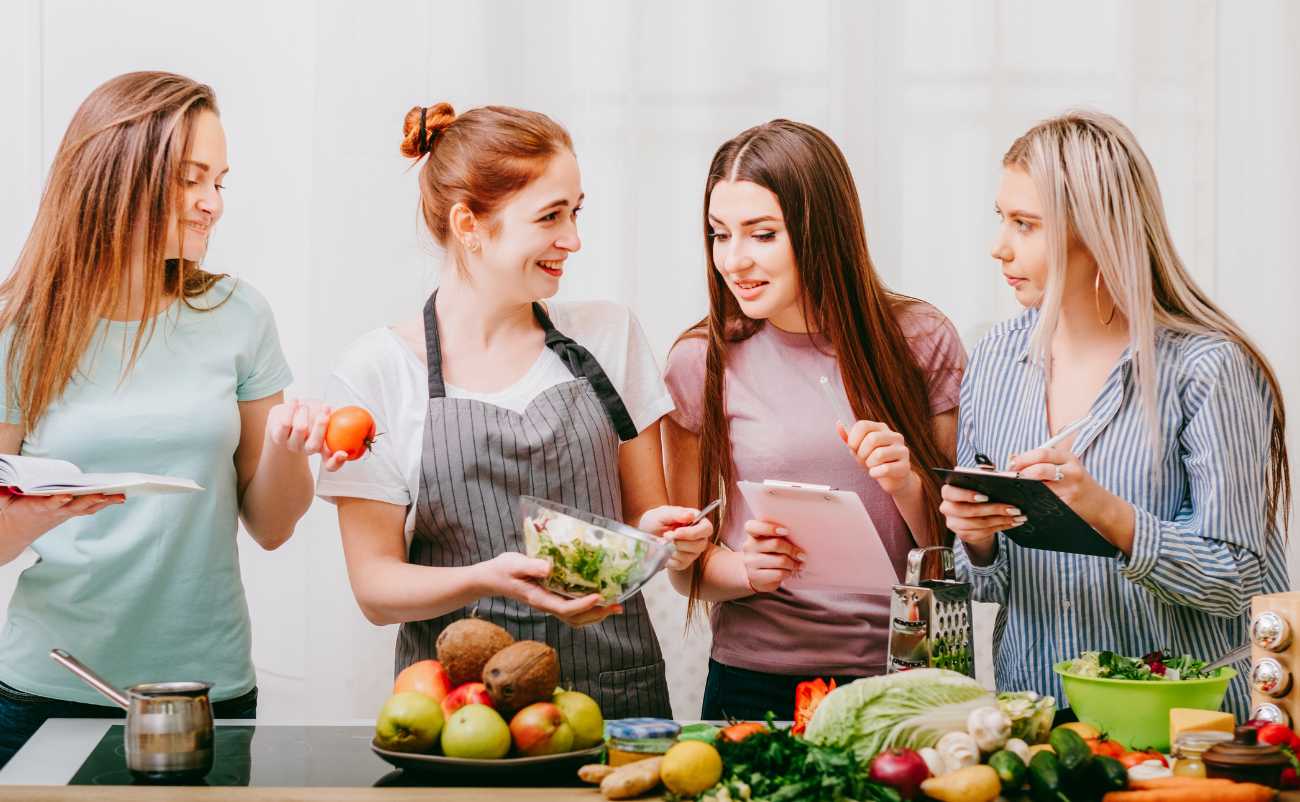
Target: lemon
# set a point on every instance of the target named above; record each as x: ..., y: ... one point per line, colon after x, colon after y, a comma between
x: 690, y: 768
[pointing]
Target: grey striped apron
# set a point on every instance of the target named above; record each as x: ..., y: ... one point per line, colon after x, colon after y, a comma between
x: 477, y: 460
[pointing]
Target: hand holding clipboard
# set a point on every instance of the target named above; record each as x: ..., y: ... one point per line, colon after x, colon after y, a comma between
x: 1049, y: 522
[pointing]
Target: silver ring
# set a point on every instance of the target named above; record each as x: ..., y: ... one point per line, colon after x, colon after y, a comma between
x: 1059, y: 476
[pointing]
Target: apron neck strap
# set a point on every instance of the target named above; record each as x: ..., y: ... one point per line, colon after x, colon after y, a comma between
x: 580, y: 362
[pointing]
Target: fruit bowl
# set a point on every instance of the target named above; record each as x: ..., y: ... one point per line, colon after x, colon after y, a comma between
x: 1136, y: 712
x: 589, y: 553
x: 560, y: 769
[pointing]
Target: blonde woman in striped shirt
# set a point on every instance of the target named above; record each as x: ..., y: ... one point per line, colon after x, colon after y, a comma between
x: 1181, y: 463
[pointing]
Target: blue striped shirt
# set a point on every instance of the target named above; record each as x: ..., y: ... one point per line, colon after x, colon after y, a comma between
x: 1201, y: 547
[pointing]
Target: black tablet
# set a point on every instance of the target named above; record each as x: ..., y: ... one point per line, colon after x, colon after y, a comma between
x: 1052, y: 525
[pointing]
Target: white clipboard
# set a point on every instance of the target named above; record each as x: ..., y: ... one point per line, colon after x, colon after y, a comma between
x: 843, y: 549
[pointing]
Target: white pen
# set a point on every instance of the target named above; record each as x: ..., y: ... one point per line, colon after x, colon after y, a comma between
x: 1060, y: 436
x: 838, y: 406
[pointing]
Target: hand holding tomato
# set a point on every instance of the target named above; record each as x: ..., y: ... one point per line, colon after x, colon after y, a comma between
x: 351, y: 431
x: 299, y: 427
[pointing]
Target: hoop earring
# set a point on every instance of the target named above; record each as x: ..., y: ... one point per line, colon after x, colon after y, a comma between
x: 1096, y: 295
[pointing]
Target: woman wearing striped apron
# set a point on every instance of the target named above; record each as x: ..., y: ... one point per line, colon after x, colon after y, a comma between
x: 492, y: 396
x: 1180, y: 456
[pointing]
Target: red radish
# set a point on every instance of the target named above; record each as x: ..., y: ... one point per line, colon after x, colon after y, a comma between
x: 1289, y: 779
x: 903, y: 769
x: 1274, y: 734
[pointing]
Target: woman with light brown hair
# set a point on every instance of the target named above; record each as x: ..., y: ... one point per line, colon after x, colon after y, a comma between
x: 121, y: 354
x: 1179, y: 460
x: 496, y: 391
x: 794, y: 296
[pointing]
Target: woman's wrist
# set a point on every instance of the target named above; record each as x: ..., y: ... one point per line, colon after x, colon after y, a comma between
x: 982, y: 553
x: 1116, y: 521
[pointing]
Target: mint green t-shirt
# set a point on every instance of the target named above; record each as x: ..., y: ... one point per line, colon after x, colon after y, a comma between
x: 149, y: 590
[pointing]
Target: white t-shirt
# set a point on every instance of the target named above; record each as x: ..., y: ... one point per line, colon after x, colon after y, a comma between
x: 381, y: 373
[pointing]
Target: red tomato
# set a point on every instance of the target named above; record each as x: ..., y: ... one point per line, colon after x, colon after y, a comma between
x: 1274, y: 734
x: 1105, y: 746
x: 739, y: 732
x: 1131, y: 759
x: 350, y: 429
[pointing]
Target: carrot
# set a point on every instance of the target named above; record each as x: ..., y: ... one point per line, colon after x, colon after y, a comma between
x: 1204, y: 791
x: 1156, y: 783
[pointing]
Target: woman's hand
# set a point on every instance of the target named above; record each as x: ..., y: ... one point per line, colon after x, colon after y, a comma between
x: 516, y: 576
x: 26, y: 518
x: 1063, y: 473
x: 674, y: 523
x: 299, y: 428
x: 770, y: 557
x: 882, y: 452
x: 975, y: 521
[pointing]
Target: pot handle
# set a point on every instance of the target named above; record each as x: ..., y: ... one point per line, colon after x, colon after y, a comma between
x: 90, y: 677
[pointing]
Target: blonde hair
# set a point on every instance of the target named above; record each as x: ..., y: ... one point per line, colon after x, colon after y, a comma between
x: 1098, y: 186
x: 115, y: 180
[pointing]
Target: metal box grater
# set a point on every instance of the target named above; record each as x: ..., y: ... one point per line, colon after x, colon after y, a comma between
x: 931, y: 624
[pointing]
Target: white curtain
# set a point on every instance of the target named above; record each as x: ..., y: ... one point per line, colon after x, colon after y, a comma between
x: 923, y: 97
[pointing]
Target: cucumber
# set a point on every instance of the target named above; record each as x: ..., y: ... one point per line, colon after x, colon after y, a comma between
x: 1071, y: 750
x: 1109, y: 774
x: 1010, y: 768
x: 1046, y: 778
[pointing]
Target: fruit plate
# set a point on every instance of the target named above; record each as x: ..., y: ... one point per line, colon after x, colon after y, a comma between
x: 561, y: 769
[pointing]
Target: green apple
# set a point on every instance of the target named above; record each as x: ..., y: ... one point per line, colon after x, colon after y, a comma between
x: 583, y: 715
x: 409, y: 722
x: 476, y: 731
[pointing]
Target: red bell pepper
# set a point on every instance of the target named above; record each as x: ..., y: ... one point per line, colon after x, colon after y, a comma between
x: 807, y: 696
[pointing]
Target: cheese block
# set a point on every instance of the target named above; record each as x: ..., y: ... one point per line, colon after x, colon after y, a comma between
x: 1183, y: 719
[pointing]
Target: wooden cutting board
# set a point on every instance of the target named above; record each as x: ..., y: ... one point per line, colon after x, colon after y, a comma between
x: 136, y: 793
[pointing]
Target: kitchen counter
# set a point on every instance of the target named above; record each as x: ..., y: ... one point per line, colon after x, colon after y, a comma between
x: 282, y: 762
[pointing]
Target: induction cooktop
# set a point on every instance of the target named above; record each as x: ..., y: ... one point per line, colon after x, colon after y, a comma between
x: 289, y: 756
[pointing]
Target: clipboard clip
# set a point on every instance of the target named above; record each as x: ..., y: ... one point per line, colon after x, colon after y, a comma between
x: 984, y: 463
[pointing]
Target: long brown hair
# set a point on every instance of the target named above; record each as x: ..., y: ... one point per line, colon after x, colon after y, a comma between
x: 116, y: 178
x: 1100, y: 187
x: 843, y: 299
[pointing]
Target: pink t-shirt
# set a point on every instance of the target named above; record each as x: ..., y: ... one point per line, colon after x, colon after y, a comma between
x: 782, y: 427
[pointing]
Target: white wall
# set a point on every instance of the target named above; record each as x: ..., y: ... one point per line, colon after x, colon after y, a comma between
x: 923, y: 97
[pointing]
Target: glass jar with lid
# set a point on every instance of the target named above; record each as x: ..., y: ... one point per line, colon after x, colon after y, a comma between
x: 1190, y: 746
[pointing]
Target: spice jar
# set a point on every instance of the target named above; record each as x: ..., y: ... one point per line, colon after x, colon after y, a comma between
x: 1245, y: 760
x: 1189, y: 749
x: 634, y: 739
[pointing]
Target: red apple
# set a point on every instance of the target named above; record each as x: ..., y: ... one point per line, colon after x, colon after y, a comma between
x: 540, y: 729
x: 470, y: 693
x: 427, y: 677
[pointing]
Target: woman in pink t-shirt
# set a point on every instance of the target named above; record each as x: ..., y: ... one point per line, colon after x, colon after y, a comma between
x: 793, y: 296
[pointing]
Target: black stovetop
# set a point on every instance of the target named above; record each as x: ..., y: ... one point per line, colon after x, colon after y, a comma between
x: 276, y: 756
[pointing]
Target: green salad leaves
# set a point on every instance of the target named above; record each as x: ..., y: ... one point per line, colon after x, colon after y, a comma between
x: 582, y: 562
x: 1157, y: 666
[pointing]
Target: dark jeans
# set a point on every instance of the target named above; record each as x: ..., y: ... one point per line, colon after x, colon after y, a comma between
x: 22, y: 714
x: 737, y: 693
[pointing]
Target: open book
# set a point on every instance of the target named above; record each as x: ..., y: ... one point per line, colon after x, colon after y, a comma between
x: 35, y: 476
x: 1052, y: 525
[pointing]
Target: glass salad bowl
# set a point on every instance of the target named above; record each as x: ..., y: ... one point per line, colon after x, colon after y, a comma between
x: 589, y: 553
